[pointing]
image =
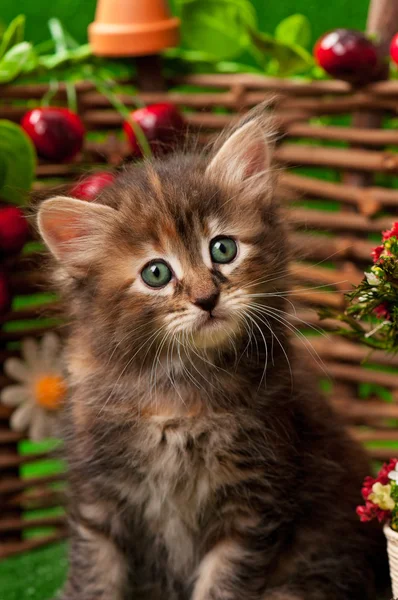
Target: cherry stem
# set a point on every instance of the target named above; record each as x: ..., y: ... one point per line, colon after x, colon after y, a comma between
x: 49, y: 95
x: 71, y: 96
x: 124, y: 112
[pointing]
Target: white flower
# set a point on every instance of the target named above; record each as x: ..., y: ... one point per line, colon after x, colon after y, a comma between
x: 394, y: 473
x: 41, y: 387
x: 372, y: 278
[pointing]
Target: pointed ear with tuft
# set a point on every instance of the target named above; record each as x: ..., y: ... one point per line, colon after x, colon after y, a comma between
x: 72, y: 229
x: 244, y: 159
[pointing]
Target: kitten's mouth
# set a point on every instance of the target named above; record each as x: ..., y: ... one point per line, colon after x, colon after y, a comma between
x: 212, y: 330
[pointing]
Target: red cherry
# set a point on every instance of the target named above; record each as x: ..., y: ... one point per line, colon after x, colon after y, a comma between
x: 161, y: 123
x: 348, y: 54
x: 89, y: 187
x: 394, y: 48
x: 56, y: 132
x: 13, y: 230
x: 5, y: 294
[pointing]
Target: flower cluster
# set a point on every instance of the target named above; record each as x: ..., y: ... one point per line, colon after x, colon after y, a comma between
x: 372, y: 310
x: 381, y: 496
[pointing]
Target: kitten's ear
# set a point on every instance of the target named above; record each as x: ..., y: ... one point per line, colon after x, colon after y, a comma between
x: 71, y: 229
x: 244, y: 159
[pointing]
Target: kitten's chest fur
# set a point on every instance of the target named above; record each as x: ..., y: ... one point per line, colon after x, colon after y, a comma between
x: 179, y: 466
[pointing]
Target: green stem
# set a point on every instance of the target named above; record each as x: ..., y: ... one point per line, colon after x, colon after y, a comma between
x: 71, y: 96
x: 49, y: 95
x: 124, y: 112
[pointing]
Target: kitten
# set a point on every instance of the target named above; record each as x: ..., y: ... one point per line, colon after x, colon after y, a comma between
x: 203, y: 463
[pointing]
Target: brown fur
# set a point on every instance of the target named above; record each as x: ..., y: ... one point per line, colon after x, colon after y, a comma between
x: 203, y: 465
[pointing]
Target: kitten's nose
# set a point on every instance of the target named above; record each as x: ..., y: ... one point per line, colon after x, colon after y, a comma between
x: 209, y: 302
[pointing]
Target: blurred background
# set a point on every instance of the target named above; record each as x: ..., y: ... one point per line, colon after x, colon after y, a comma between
x: 77, y: 14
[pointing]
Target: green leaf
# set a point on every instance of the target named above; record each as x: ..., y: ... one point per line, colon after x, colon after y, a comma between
x: 13, y: 35
x: 286, y: 59
x: 14, y: 61
x: 220, y: 28
x: 64, y: 57
x: 18, y: 162
x: 296, y: 30
x: 58, y: 35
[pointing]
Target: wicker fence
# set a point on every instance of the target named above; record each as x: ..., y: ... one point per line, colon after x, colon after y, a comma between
x: 331, y: 247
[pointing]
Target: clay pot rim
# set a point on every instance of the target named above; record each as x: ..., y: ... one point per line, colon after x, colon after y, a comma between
x: 131, y: 28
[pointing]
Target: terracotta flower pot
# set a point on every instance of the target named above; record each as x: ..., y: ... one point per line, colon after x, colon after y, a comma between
x: 132, y: 28
x: 392, y: 549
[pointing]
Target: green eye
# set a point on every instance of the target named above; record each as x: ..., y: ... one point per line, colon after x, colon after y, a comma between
x: 156, y: 274
x: 223, y: 250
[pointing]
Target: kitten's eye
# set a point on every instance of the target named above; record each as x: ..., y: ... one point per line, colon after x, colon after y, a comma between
x: 156, y: 274
x: 223, y: 250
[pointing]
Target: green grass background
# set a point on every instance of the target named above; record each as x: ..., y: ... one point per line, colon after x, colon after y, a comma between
x: 77, y: 14
x: 39, y: 574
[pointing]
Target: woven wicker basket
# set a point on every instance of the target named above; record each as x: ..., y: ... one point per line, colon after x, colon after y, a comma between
x: 392, y: 549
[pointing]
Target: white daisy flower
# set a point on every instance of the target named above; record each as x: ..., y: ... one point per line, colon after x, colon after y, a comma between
x: 40, y: 389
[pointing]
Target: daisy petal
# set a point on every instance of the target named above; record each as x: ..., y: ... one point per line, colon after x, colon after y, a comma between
x: 13, y: 395
x: 50, y: 348
x: 40, y: 426
x: 16, y: 369
x: 21, y: 417
x: 30, y: 352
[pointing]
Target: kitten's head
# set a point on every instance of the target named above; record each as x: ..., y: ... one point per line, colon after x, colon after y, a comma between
x: 171, y: 255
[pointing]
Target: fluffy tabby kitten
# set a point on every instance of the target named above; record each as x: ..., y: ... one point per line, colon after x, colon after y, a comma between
x: 203, y: 463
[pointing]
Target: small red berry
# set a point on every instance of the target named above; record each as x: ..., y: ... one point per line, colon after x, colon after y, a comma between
x: 382, y: 311
x: 5, y: 294
x: 162, y: 125
x: 13, y: 230
x: 376, y: 253
x: 394, y: 48
x: 348, y: 54
x: 90, y: 187
x: 56, y: 132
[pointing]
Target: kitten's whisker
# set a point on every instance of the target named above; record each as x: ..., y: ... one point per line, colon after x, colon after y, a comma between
x: 263, y: 377
x: 306, y: 343
x: 294, y: 316
x: 261, y: 280
x: 191, y: 347
x: 122, y: 340
x: 129, y: 362
x: 185, y: 370
x: 298, y: 291
x: 273, y: 334
x: 249, y: 330
x: 152, y: 378
x: 168, y: 370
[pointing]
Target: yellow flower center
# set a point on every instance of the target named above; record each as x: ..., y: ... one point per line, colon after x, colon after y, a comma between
x: 50, y: 391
